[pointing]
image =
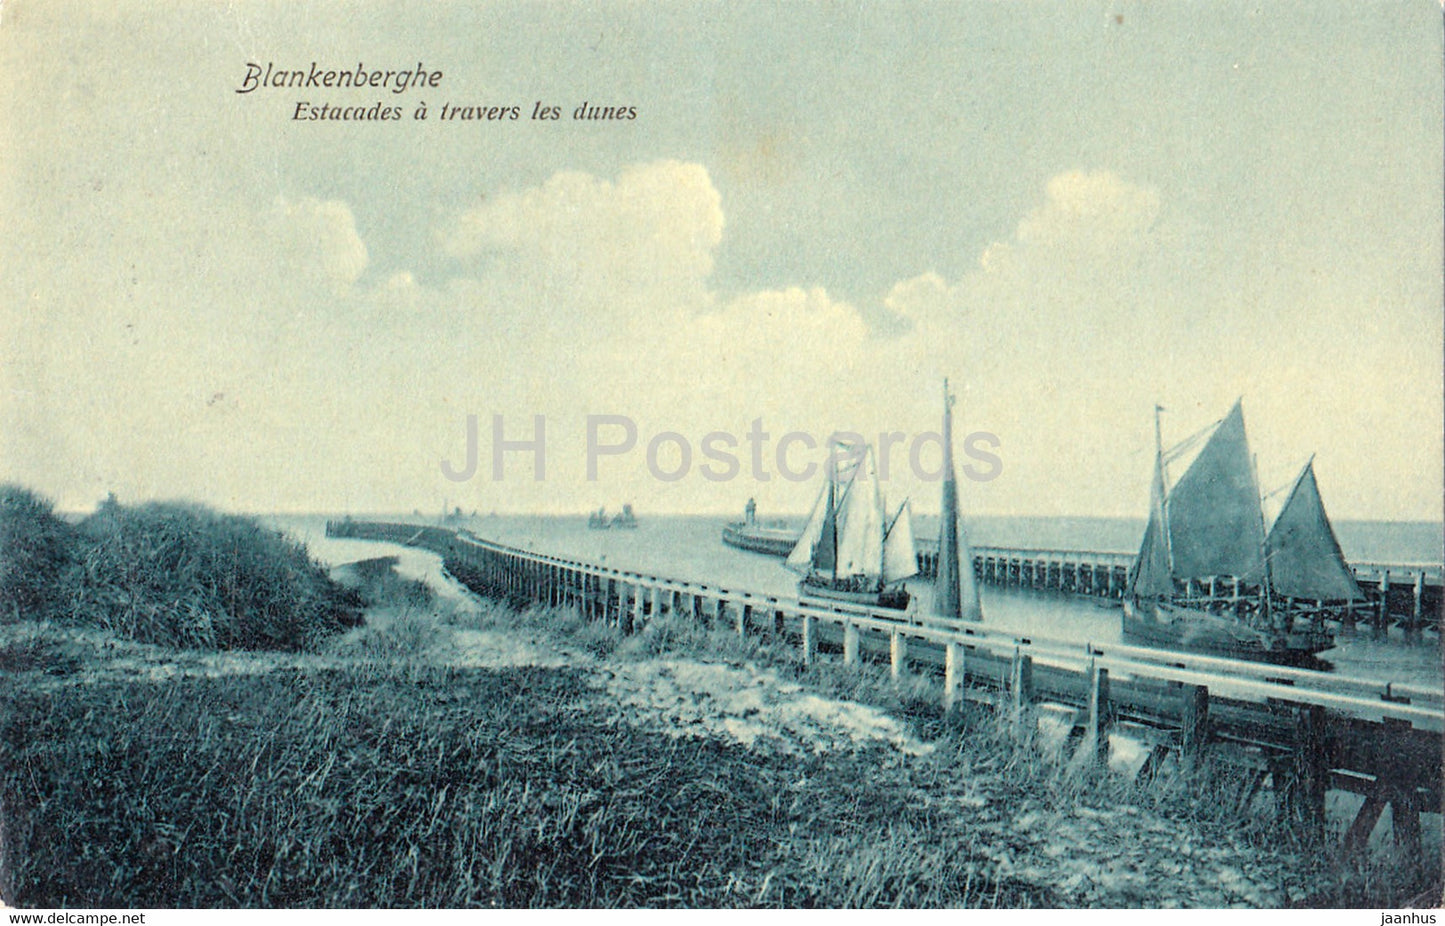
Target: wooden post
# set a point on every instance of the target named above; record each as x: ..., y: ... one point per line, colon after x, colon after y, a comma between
x: 955, y: 675
x: 745, y: 617
x: 1405, y: 820
x: 850, y: 644
x: 632, y: 618
x: 897, y: 655
x: 779, y: 627
x: 1311, y: 769
x: 1382, y: 619
x: 1357, y: 837
x: 1399, y: 790
x: 1096, y: 733
x: 1413, y: 632
x: 697, y: 614
x: 1194, y: 722
x: 810, y: 642
x: 656, y: 603
x: 1021, y: 682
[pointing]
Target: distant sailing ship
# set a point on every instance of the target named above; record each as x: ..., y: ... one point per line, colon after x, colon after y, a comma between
x: 850, y: 551
x: 1210, y: 578
x: 599, y: 521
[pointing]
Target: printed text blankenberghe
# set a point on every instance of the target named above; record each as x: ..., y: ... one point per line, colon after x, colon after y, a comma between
x: 398, y: 81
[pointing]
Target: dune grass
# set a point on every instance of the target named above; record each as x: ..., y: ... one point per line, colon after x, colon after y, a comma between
x: 392, y: 780
x: 451, y: 788
x: 169, y: 573
x: 993, y: 744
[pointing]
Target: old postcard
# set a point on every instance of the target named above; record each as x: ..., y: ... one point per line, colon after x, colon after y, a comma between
x: 764, y: 454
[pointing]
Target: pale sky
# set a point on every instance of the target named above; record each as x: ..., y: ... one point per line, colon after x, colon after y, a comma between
x: 1073, y: 210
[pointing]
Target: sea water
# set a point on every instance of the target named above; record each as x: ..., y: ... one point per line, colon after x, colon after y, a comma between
x: 689, y: 547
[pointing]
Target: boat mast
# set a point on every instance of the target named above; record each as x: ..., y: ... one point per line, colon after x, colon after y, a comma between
x: 948, y: 591
x: 1163, y: 489
x: 1265, y: 610
x: 832, y: 519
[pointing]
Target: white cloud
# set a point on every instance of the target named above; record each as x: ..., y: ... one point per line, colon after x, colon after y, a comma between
x: 642, y: 244
x: 317, y: 239
x: 274, y: 374
x: 1095, y: 210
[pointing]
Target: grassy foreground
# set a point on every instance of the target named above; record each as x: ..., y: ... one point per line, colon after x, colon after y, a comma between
x: 390, y: 767
x: 447, y: 788
x: 396, y: 780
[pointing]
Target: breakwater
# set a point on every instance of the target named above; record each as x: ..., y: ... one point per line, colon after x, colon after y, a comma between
x: 1298, y: 732
x: 1410, y: 596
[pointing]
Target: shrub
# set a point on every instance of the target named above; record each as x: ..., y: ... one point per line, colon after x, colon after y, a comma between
x: 36, y: 550
x: 183, y: 575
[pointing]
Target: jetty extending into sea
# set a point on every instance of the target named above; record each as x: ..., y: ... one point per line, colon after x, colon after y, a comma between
x: 1297, y: 732
x: 1410, y: 596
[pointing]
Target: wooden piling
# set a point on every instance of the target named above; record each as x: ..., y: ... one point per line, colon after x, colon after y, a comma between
x: 1021, y: 682
x: 1311, y: 768
x: 810, y: 641
x: 850, y: 644
x: 955, y: 675
x: 1382, y: 616
x: 1100, y: 717
x: 745, y: 617
x: 632, y: 615
x: 1194, y: 722
x: 1413, y: 629
x: 1357, y: 837
x: 897, y: 655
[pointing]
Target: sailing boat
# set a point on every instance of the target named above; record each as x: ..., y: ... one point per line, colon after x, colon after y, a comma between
x: 851, y: 551
x: 955, y: 593
x: 1307, y: 570
x: 1205, y: 578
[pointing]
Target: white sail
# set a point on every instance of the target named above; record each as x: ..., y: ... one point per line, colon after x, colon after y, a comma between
x: 801, y: 559
x: 860, y: 525
x: 900, y: 556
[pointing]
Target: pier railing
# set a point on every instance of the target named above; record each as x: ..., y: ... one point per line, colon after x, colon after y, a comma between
x: 1406, y: 595
x: 1303, y: 731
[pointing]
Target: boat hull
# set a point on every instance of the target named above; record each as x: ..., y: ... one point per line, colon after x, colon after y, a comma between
x: 1171, y: 626
x: 895, y: 599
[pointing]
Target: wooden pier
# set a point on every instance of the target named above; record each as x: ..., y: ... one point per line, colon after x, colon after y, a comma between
x: 1409, y: 596
x: 1300, y: 733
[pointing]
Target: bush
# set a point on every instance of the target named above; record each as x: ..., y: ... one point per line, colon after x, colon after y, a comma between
x: 182, y: 575
x: 36, y: 550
